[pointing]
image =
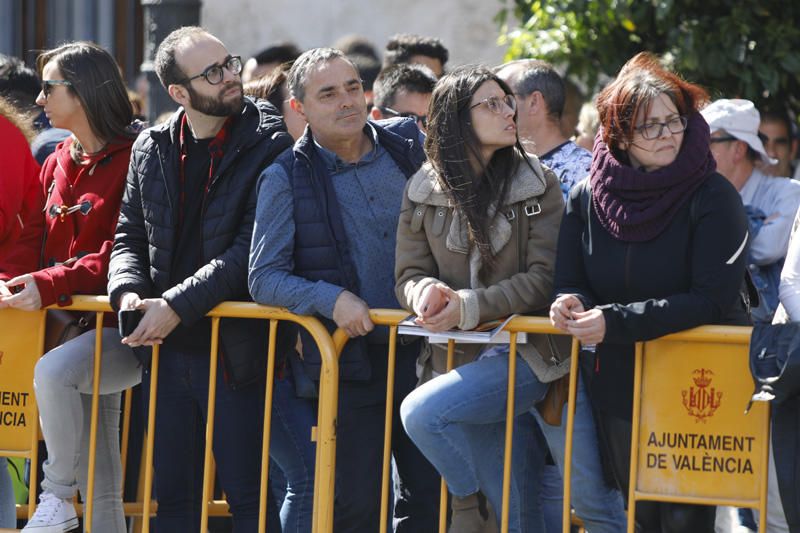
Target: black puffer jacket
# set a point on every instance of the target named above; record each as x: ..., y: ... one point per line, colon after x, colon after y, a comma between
x: 146, y: 233
x: 689, y: 275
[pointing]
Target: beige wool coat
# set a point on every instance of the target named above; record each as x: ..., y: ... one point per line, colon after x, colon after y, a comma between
x: 433, y: 246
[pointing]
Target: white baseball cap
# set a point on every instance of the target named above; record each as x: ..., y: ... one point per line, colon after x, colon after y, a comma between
x: 741, y: 119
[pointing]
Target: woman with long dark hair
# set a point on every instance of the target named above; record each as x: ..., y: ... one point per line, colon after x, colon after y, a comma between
x: 64, y: 250
x: 476, y: 242
x: 654, y: 242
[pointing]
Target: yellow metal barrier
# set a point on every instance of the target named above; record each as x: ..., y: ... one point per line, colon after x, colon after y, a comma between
x: 325, y: 432
x: 727, y: 346
x: 691, y: 441
x: 21, y: 343
x: 391, y: 317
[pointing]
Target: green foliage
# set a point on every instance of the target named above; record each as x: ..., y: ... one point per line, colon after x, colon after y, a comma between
x: 734, y: 48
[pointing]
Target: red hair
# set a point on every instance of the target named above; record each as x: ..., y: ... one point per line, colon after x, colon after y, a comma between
x: 638, y: 83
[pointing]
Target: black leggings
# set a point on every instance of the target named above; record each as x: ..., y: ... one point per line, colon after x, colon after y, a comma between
x: 651, y: 517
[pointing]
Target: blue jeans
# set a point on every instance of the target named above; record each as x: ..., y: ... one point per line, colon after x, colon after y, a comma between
x: 293, y: 451
x: 596, y: 503
x: 458, y: 421
x: 181, y: 412
x: 8, y: 510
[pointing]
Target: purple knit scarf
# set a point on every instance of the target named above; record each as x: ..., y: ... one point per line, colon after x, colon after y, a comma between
x: 636, y: 206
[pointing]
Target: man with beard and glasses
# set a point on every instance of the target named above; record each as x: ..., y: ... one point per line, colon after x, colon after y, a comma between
x: 181, y: 247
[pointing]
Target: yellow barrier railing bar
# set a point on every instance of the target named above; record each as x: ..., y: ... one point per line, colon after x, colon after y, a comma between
x: 126, y: 433
x: 507, y: 457
x: 451, y: 350
x: 98, y: 352
x: 150, y: 439
x: 387, y: 434
x: 262, y: 496
x: 764, y: 483
x: 566, y: 511
x: 211, y: 412
x: 637, y: 412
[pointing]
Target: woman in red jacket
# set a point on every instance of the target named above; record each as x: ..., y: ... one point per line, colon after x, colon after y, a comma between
x: 64, y: 250
x: 19, y: 179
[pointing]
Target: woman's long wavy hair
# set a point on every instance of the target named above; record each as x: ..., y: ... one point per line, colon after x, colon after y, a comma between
x: 454, y: 151
x: 97, y: 82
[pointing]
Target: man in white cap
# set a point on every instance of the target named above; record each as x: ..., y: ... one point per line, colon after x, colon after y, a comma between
x: 771, y: 202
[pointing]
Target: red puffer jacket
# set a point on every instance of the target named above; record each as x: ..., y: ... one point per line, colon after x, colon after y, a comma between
x: 66, y: 245
x: 19, y: 185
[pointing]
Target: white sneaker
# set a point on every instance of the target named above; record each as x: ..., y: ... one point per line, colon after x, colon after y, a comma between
x: 53, y: 515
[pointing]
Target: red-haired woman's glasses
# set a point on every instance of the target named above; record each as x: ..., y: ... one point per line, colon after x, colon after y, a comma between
x: 655, y: 129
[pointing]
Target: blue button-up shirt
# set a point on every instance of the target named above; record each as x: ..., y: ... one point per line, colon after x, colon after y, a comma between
x: 369, y: 194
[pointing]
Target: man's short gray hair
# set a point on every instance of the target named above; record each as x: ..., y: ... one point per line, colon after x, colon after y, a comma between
x: 534, y: 75
x: 297, y: 78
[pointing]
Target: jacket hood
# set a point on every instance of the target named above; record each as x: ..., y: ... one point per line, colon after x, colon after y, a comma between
x: 426, y: 187
x: 121, y: 144
x: 528, y: 182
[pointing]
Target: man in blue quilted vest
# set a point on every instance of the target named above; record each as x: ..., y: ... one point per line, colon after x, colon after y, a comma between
x: 323, y: 245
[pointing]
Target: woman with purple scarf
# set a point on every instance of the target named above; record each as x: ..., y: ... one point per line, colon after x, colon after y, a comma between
x: 653, y: 242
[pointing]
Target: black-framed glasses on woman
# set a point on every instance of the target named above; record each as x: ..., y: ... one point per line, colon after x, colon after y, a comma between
x: 495, y: 103
x: 422, y: 119
x: 214, y: 73
x: 655, y: 129
x: 47, y: 85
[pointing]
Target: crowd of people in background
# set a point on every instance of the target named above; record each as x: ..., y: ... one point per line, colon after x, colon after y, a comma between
x: 337, y: 180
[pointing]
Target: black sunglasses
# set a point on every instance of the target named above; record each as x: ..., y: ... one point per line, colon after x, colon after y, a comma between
x: 422, y: 119
x: 214, y: 73
x: 47, y: 85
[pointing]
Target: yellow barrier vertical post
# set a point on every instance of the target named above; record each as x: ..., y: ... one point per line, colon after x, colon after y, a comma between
x: 126, y: 434
x: 262, y: 496
x: 571, y: 399
x: 98, y: 356
x: 211, y: 409
x: 151, y: 429
x: 637, y: 411
x: 387, y: 434
x: 763, y: 484
x: 324, y: 479
x: 34, y: 443
x: 509, y: 445
x: 451, y: 348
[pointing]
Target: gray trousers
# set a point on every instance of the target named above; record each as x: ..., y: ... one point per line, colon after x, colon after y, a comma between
x: 63, y: 385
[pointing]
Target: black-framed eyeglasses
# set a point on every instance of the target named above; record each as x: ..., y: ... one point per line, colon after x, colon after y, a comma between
x: 495, y: 104
x: 214, y: 73
x: 48, y: 84
x: 422, y: 119
x: 654, y: 130
x: 725, y: 139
